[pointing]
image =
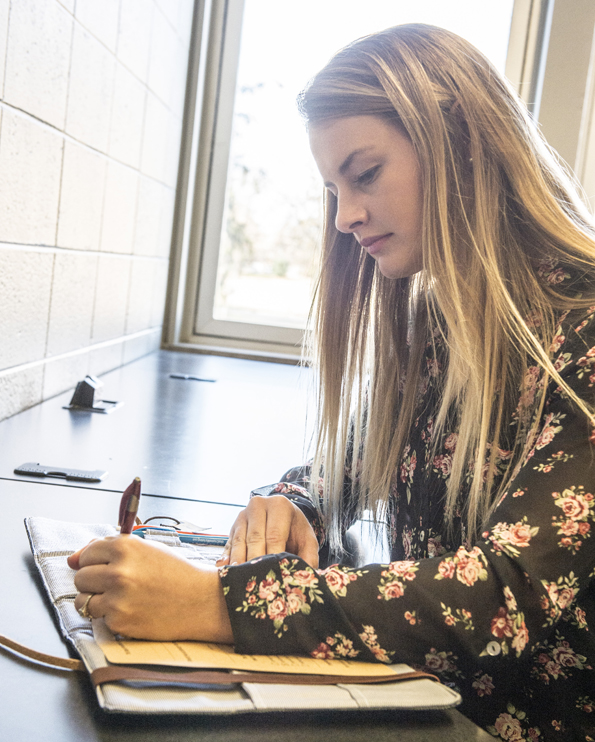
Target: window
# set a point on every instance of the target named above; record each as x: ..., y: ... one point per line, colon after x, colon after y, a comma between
x: 249, y: 207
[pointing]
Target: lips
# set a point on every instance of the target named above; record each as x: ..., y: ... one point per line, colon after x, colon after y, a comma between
x: 375, y: 242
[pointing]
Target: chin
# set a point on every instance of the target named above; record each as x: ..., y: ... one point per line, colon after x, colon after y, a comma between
x: 394, y: 272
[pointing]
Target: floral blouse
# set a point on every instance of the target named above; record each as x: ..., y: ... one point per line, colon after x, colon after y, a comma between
x: 509, y: 622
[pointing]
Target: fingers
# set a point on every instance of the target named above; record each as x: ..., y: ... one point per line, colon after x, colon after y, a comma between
x: 73, y: 559
x: 90, y: 602
x: 308, y: 549
x: 101, y: 551
x: 270, y: 525
x: 93, y: 579
x: 262, y: 528
x: 224, y: 558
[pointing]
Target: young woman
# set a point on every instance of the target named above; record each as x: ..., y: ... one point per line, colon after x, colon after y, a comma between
x: 455, y: 343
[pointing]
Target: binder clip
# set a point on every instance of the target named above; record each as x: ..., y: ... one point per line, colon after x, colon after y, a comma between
x: 84, y: 397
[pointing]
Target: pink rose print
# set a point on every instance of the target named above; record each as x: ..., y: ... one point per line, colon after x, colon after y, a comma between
x: 370, y: 639
x: 451, y: 442
x: 501, y: 625
x: 557, y: 661
x: 393, y: 590
x: 564, y: 656
x: 338, y: 578
x: 441, y: 662
x: 521, y: 638
x: 510, y: 537
x: 509, y: 598
x: 295, y: 600
x: 277, y: 609
x: 573, y: 506
x: 322, y: 652
x: 469, y: 566
x: 394, y: 577
x: 443, y: 464
x: 566, y: 596
x: 577, y: 510
x: 508, y: 728
x: 550, y: 429
x: 469, y: 570
x: 276, y: 601
x: 483, y: 685
x: 268, y: 589
x: 556, y: 343
x: 405, y: 569
x: 408, y: 465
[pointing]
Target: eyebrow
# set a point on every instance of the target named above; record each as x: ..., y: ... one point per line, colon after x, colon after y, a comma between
x: 346, y: 164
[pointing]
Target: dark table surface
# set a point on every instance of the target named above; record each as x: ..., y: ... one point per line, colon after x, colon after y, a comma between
x: 201, y: 440
x: 38, y: 702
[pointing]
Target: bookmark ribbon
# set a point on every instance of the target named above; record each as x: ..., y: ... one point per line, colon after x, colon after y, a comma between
x: 47, y: 659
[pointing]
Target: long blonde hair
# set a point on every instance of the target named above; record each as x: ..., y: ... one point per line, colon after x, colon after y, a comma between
x: 496, y: 204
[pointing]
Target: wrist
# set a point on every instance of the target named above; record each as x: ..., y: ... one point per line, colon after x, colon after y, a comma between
x: 214, y: 624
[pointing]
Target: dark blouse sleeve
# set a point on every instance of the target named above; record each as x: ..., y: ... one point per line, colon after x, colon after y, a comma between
x: 522, y: 597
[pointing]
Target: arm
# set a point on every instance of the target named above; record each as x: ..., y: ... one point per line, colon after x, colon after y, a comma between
x: 145, y: 591
x: 517, y: 595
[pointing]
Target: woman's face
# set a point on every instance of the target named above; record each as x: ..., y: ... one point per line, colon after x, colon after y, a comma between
x: 373, y: 171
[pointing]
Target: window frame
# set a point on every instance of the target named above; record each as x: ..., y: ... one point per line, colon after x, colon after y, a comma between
x: 538, y: 42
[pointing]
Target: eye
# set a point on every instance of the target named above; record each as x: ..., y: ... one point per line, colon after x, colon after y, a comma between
x: 368, y: 176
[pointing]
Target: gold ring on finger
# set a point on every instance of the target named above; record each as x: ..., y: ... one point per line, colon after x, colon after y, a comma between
x: 84, y: 611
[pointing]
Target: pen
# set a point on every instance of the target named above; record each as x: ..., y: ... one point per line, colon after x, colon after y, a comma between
x: 129, y: 506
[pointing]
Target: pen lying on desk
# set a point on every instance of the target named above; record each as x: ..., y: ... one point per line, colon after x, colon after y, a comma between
x: 129, y: 506
x: 204, y: 539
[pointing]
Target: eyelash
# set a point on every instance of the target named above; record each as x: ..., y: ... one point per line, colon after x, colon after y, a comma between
x: 368, y: 176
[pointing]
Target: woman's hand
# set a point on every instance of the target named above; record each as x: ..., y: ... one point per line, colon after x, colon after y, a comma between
x: 270, y: 525
x: 145, y: 591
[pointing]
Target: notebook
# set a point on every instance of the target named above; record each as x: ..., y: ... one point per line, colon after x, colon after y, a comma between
x: 53, y: 541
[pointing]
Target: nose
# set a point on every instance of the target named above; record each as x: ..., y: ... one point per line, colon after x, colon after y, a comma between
x: 351, y: 214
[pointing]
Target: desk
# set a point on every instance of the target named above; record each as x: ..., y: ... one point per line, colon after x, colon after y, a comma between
x: 199, y: 440
x: 60, y: 706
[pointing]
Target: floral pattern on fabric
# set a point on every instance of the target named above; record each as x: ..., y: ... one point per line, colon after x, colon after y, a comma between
x: 278, y: 599
x: 508, y: 621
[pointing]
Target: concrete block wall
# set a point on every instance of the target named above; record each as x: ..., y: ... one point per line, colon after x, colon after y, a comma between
x: 91, y: 102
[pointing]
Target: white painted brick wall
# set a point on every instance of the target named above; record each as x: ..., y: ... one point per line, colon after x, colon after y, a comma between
x: 4, y: 8
x: 37, y: 59
x: 25, y: 289
x: 162, y: 60
x: 81, y: 197
x: 19, y: 390
x: 90, y: 93
x: 151, y: 200
x: 128, y: 113
x: 71, y: 307
x: 140, y: 298
x: 134, y: 39
x: 119, y: 206
x: 101, y: 19
x: 91, y: 99
x: 30, y: 164
x: 111, y: 297
x: 157, y: 129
